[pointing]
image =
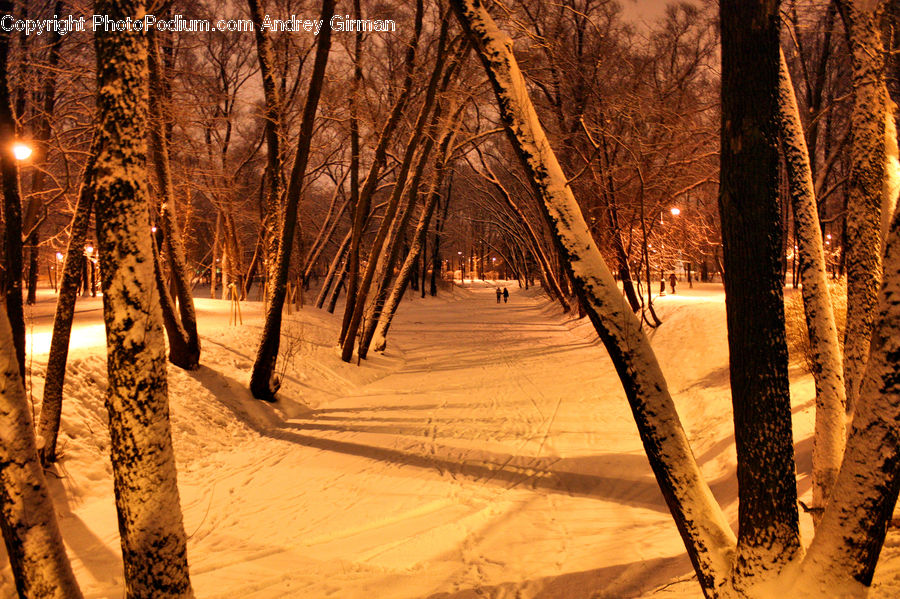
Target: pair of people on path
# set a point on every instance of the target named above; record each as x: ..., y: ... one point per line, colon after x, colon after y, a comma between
x: 504, y: 294
x: 662, y: 283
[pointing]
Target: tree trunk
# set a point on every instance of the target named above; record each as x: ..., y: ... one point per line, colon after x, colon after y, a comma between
x: 867, y: 159
x: 827, y: 368
x: 754, y: 295
x: 185, y: 351
x: 150, y: 523
x: 272, y: 132
x: 12, y: 204
x: 362, y: 203
x: 409, y: 266
x: 841, y: 560
x: 33, y: 542
x: 214, y: 260
x: 707, y: 535
x: 438, y: 232
x: 263, y: 383
x: 333, y: 270
x: 51, y: 406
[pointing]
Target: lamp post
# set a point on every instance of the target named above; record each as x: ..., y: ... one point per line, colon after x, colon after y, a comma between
x: 21, y: 151
x: 57, y: 267
x: 674, y: 211
x: 89, y: 252
x: 462, y: 276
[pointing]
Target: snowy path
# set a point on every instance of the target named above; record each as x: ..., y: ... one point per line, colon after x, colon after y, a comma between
x: 500, y: 458
x: 489, y: 453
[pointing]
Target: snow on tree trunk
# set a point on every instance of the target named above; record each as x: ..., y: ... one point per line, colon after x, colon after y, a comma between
x: 749, y: 209
x: 891, y: 183
x: 399, y: 229
x: 842, y: 557
x: 379, y: 339
x: 262, y: 381
x: 150, y: 522
x: 51, y: 406
x: 703, y: 527
x: 12, y: 203
x: 353, y: 308
x: 827, y: 368
x: 866, y: 180
x: 375, y: 251
x: 36, y: 553
x: 333, y: 270
x: 184, y: 352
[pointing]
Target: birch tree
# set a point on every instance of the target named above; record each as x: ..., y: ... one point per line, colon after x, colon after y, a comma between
x: 147, y: 502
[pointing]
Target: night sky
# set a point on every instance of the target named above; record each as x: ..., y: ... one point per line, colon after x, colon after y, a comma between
x: 644, y: 10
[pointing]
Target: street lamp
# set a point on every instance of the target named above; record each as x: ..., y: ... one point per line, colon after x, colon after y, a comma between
x: 675, y: 211
x: 461, y: 275
x: 21, y: 151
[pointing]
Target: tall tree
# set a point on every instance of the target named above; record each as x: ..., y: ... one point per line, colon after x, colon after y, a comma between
x: 272, y: 132
x: 263, y: 384
x: 181, y: 325
x: 827, y: 368
x: 12, y: 202
x: 751, y: 218
x: 51, y: 405
x: 150, y: 522
x: 867, y: 172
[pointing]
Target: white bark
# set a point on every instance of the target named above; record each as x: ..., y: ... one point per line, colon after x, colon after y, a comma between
x: 706, y: 533
x: 147, y: 501
x: 866, y: 180
x: 842, y: 557
x: 827, y: 368
x: 39, y: 563
x: 891, y: 183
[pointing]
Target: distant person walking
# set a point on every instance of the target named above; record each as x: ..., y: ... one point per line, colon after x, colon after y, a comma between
x: 672, y: 280
x: 499, y: 293
x: 505, y: 295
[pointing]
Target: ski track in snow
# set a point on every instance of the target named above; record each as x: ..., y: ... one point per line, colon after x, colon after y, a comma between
x: 490, y: 452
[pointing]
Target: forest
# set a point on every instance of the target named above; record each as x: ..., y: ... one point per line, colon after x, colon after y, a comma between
x: 450, y: 298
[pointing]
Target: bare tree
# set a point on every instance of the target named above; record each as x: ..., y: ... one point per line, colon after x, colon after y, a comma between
x: 181, y: 325
x: 263, y: 384
x: 867, y: 173
x: 827, y: 368
x: 51, y: 406
x: 147, y: 501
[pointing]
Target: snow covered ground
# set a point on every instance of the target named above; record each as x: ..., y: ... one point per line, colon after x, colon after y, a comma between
x: 489, y: 452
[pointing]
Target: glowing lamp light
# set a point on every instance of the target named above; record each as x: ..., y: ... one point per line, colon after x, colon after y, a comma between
x: 153, y: 229
x: 59, y: 256
x: 21, y: 151
x: 89, y: 250
x: 675, y: 211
